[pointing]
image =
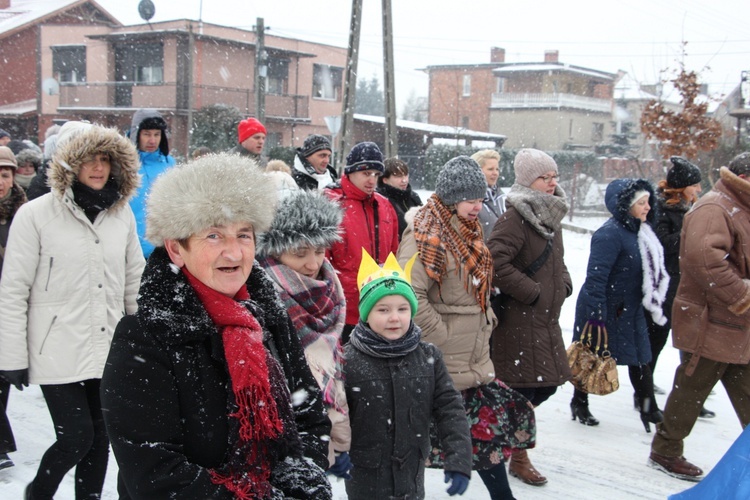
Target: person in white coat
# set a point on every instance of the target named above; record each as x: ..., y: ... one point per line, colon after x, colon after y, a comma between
x: 72, y: 269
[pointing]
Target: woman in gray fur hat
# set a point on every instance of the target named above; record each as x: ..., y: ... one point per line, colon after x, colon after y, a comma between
x: 199, y: 383
x: 292, y: 252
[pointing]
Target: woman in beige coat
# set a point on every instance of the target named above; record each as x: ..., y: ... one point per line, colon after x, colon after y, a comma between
x: 451, y: 279
x: 72, y: 269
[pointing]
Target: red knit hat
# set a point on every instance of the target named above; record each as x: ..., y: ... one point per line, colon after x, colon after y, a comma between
x: 248, y: 128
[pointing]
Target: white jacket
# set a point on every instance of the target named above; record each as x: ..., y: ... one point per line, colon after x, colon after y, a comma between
x: 67, y: 282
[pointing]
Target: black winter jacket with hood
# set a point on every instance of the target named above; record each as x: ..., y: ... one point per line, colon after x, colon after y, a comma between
x: 170, y: 354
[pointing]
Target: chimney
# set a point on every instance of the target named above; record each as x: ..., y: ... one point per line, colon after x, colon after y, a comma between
x: 497, y: 55
x: 4, y: 4
x: 551, y: 56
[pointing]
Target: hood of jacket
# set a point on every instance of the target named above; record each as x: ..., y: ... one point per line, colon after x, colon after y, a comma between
x: 66, y: 164
x: 618, y: 196
x: 135, y: 128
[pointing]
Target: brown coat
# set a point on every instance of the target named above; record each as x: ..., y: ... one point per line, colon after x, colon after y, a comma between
x: 451, y: 319
x: 527, y: 344
x: 710, y: 315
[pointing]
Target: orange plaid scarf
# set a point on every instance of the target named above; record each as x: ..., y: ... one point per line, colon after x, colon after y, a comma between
x: 435, y: 234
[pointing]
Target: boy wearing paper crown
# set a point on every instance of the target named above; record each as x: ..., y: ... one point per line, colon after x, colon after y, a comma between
x: 395, y: 385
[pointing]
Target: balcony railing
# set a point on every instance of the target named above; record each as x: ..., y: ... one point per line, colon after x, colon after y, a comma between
x: 114, y: 95
x: 571, y: 101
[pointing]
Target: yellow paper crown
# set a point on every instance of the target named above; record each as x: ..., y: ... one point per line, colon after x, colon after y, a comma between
x: 369, y: 270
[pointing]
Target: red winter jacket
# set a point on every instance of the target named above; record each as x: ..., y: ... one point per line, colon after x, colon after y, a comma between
x: 370, y: 223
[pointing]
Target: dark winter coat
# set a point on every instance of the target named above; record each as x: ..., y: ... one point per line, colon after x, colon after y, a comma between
x: 38, y: 186
x: 402, y: 200
x: 391, y: 403
x: 711, y: 316
x: 166, y: 392
x: 527, y: 345
x: 240, y: 150
x: 613, y: 290
x: 668, y: 226
x: 303, y: 179
x: 370, y: 223
x: 8, y: 208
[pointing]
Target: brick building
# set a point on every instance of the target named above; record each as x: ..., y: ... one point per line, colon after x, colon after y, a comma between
x: 70, y: 59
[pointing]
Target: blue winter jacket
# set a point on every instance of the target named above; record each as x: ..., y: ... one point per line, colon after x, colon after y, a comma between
x: 614, y: 279
x: 152, y: 164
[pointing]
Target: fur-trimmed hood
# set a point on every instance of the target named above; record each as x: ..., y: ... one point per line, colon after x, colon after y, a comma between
x: 618, y: 196
x: 213, y: 190
x: 153, y: 121
x: 70, y: 155
x: 305, y: 218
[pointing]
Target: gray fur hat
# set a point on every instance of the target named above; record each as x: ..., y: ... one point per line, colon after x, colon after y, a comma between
x: 304, y: 218
x: 213, y: 190
x: 460, y: 179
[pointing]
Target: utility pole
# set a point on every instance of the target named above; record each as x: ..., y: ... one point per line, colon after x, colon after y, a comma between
x: 190, y: 96
x: 260, y: 70
x: 350, y: 83
x: 389, y: 84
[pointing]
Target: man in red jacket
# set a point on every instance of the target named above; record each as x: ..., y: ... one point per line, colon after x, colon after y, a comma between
x: 369, y: 222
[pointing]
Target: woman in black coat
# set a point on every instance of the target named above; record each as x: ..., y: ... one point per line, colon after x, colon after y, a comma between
x: 394, y: 185
x: 674, y: 197
x: 206, y: 392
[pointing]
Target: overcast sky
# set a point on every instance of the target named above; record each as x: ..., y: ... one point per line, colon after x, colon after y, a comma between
x: 642, y: 37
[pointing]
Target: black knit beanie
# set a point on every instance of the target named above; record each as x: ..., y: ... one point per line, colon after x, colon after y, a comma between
x: 313, y: 144
x: 682, y: 174
x: 364, y: 156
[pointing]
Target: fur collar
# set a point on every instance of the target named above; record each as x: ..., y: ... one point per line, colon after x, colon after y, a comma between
x: 66, y: 164
x: 735, y: 184
x: 10, y: 205
x: 168, y: 304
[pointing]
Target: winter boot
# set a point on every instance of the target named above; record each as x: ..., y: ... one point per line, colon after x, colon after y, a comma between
x: 521, y: 467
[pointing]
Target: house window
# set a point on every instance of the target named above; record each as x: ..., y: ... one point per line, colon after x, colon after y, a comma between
x: 69, y: 63
x: 278, y: 73
x: 149, y: 63
x: 467, y: 85
x: 499, y: 85
x: 597, y: 132
x: 327, y: 82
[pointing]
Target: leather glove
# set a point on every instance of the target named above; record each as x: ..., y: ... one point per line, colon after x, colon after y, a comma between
x: 342, y: 466
x: 458, y: 481
x: 597, y: 322
x: 19, y: 378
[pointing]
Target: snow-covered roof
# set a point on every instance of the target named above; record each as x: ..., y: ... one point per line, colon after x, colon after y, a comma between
x: 18, y: 108
x: 22, y: 13
x: 629, y: 89
x: 517, y: 67
x: 432, y: 129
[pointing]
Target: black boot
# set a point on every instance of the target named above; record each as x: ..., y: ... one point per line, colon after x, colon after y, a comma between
x: 643, y: 383
x: 579, y: 409
x: 650, y: 413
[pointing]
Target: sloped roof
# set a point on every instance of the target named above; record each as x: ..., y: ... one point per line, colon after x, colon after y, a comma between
x: 516, y: 67
x: 24, y: 13
x: 434, y: 130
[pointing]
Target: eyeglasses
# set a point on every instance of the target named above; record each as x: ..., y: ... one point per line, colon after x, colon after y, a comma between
x: 549, y: 178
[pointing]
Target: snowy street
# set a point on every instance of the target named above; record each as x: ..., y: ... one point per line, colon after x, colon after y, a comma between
x: 608, y: 461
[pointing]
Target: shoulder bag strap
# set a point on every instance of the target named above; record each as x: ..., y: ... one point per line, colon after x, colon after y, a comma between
x: 539, y: 262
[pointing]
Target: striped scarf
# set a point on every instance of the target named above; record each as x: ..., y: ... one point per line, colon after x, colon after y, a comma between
x: 317, y: 309
x: 436, y: 233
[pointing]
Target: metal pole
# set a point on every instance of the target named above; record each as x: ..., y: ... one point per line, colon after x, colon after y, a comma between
x: 191, y: 50
x: 389, y: 85
x: 350, y: 83
x: 260, y: 77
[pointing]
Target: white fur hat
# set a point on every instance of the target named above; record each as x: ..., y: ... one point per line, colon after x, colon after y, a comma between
x: 211, y: 191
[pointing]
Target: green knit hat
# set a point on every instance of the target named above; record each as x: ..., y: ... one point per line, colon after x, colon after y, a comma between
x: 376, y: 282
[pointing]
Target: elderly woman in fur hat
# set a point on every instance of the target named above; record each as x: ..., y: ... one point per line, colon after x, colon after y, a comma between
x: 72, y: 268
x: 292, y: 252
x: 207, y: 391
x: 452, y: 280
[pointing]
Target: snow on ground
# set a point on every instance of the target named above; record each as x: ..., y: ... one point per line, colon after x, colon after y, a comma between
x: 608, y: 461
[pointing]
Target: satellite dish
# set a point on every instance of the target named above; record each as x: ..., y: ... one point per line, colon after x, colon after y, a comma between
x: 50, y: 86
x: 146, y: 9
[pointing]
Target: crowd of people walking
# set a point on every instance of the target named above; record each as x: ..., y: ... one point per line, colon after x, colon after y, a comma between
x: 240, y: 328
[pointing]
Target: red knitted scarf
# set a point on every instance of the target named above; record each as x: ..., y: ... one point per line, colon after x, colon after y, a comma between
x: 257, y: 413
